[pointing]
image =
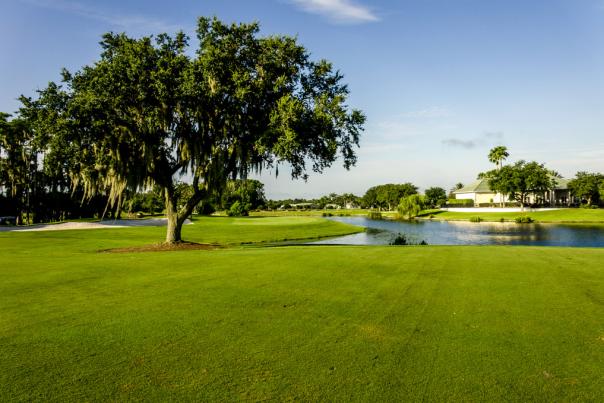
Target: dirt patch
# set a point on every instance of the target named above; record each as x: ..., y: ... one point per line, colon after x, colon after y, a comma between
x: 163, y: 247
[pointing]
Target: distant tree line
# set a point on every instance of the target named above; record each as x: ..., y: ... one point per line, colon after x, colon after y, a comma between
x: 380, y: 197
x: 332, y: 200
x: 34, y: 187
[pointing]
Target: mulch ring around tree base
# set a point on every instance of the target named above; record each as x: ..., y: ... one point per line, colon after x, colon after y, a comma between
x: 163, y: 247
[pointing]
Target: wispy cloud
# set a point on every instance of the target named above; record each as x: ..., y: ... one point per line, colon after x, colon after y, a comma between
x: 426, y: 122
x: 340, y: 11
x: 487, y: 138
x: 468, y: 144
x: 131, y: 23
x: 493, y: 135
x: 433, y: 112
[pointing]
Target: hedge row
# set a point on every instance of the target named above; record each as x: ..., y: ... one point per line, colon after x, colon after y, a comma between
x: 460, y: 202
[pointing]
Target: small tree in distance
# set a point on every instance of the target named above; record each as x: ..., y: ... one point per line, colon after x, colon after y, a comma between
x: 410, y: 206
x: 388, y: 196
x: 497, y: 155
x: 588, y: 187
x: 435, y: 196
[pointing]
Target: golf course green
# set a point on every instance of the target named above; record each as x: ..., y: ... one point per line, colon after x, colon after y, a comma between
x: 247, y: 321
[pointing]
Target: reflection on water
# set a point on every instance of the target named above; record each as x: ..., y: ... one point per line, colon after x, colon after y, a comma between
x: 382, y: 232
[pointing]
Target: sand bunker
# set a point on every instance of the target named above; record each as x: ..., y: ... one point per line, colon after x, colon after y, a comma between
x: 151, y: 222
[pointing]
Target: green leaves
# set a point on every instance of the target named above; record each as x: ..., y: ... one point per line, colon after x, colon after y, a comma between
x: 410, y: 206
x: 146, y: 112
x: 588, y: 186
x: 498, y: 154
x: 520, y: 179
x: 388, y: 195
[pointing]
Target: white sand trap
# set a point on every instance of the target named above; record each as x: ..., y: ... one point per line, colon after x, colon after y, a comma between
x: 151, y: 222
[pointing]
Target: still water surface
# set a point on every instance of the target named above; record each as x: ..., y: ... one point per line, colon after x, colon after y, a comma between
x: 382, y: 232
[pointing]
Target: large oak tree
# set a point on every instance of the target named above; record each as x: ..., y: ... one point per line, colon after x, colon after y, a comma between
x: 147, y: 113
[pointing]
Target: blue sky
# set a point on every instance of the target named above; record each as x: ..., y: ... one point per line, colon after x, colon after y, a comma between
x: 441, y: 81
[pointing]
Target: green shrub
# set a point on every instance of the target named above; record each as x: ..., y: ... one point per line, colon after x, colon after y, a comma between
x: 324, y: 214
x: 460, y: 203
x: 374, y: 215
x: 475, y: 219
x: 523, y: 220
x: 206, y: 208
x: 238, y: 209
x: 401, y: 239
x: 488, y: 204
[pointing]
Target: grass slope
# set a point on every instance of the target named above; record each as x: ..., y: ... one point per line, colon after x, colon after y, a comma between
x: 570, y: 215
x: 295, y: 323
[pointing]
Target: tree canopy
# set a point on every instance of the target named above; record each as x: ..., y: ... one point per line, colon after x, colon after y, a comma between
x: 497, y: 155
x: 249, y: 193
x: 388, y: 195
x: 18, y: 164
x: 587, y: 186
x: 520, y: 179
x: 435, y: 196
x: 147, y: 113
x: 410, y: 206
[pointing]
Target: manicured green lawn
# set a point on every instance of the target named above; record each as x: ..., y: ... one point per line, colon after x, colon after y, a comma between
x: 310, y: 213
x: 212, y: 230
x: 571, y: 215
x: 295, y: 323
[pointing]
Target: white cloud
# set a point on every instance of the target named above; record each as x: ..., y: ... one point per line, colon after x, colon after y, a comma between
x: 342, y: 11
x: 131, y: 23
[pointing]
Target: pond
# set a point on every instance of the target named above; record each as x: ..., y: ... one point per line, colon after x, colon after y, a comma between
x: 382, y: 232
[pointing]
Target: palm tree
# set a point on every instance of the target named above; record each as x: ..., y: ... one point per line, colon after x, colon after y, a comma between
x: 498, y: 154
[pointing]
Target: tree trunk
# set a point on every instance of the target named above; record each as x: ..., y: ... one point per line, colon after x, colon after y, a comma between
x: 177, y: 218
x: 174, y: 232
